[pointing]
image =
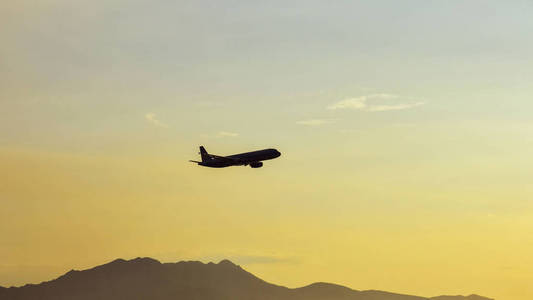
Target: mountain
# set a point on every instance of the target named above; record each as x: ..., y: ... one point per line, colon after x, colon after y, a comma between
x: 146, y: 278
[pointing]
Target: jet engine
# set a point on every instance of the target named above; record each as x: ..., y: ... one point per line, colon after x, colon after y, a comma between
x: 256, y: 164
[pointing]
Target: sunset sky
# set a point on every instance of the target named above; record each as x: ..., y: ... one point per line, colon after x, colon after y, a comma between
x: 406, y: 132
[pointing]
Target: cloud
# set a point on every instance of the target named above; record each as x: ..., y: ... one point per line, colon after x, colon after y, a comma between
x: 223, y: 134
x: 352, y: 103
x: 363, y: 103
x: 315, y: 122
x: 394, y: 107
x: 151, y: 118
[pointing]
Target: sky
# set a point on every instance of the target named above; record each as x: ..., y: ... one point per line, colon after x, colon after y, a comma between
x: 405, y: 129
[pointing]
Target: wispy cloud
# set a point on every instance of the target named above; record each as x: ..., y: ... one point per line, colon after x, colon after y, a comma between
x: 365, y: 103
x: 223, y: 134
x: 315, y: 122
x: 151, y: 118
x: 394, y: 106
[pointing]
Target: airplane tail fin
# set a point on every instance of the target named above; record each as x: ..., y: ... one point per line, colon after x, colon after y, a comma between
x: 204, y: 154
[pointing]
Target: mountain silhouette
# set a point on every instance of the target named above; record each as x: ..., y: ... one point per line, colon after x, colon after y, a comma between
x: 146, y: 278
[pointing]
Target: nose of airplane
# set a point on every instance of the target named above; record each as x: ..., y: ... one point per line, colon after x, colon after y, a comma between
x: 278, y: 153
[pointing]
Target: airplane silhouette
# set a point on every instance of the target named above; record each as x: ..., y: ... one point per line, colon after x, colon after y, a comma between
x: 254, y: 158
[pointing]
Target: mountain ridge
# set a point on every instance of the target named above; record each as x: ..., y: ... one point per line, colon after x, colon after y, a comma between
x: 147, y: 278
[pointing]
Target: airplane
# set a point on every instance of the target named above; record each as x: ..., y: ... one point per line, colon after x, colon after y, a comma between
x: 253, y: 159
